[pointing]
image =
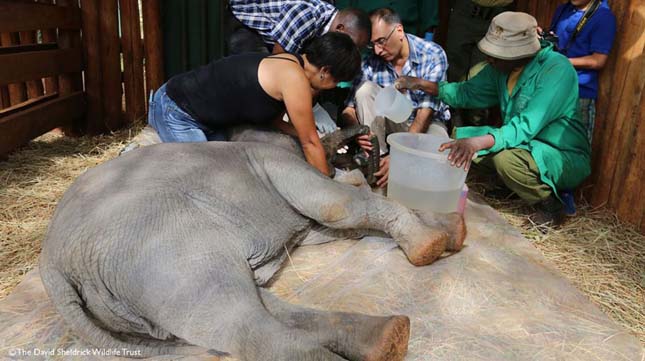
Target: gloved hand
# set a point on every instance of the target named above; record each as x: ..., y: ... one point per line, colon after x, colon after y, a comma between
x: 324, y: 123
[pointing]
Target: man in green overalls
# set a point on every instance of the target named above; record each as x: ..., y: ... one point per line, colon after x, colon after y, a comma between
x: 542, y: 145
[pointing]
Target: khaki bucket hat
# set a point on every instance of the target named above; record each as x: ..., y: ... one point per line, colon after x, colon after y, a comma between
x: 511, y: 36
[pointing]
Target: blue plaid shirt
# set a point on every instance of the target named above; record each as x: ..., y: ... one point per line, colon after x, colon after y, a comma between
x: 289, y: 23
x: 427, y: 60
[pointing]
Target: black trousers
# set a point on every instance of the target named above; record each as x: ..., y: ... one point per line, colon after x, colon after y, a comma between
x: 240, y: 38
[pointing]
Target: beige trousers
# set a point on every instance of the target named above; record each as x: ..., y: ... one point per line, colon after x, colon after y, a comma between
x: 381, y: 126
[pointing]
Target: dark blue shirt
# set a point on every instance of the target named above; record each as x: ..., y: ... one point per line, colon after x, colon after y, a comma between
x: 597, y: 36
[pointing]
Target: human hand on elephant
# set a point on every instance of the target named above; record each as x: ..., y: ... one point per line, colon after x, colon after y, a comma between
x: 383, y: 172
x: 365, y: 142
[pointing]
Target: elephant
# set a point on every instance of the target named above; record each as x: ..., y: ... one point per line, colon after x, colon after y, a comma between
x: 166, y: 249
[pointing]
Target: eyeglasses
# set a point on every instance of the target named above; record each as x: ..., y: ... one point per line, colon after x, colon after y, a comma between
x: 381, y: 41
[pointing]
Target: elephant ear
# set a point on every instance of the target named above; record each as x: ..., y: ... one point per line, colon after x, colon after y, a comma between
x: 355, y: 156
x: 332, y: 142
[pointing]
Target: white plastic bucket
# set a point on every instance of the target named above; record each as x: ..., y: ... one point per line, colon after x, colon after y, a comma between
x: 420, y: 176
x: 393, y: 105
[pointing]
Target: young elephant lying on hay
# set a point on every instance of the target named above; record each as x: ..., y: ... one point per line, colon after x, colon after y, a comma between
x: 170, y: 245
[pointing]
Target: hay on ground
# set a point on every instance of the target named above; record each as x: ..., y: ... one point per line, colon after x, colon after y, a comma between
x: 602, y: 256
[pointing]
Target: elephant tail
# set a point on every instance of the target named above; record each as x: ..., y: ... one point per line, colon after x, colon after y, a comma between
x: 69, y: 305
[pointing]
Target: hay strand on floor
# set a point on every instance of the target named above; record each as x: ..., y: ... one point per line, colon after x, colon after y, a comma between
x: 602, y: 256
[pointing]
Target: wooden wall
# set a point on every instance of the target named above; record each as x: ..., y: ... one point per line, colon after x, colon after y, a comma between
x: 82, y: 65
x: 40, y: 72
x: 619, y: 137
x: 122, y: 63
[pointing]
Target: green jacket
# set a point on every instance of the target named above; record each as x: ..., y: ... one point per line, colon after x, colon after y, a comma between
x: 541, y: 116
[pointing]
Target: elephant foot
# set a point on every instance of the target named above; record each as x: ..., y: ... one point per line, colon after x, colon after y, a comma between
x: 451, y: 223
x: 392, y: 345
x: 426, y: 251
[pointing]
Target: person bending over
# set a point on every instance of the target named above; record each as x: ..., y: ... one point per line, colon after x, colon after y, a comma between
x: 255, y: 89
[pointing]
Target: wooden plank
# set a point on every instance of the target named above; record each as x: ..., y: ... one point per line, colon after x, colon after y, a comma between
x: 49, y: 36
x: 630, y: 206
x: 34, y: 87
x: 23, y: 48
x: 132, y: 60
x: 17, y: 91
x: 627, y: 185
x: 18, y: 129
x: 91, y: 39
x: 153, y: 45
x: 5, y: 101
x: 39, y: 64
x: 72, y: 81
x: 110, y: 64
x: 26, y: 105
x: 620, y: 111
x: 69, y: 39
x: 34, y: 16
x: 610, y: 85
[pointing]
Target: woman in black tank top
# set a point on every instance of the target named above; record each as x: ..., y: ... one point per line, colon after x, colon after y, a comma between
x: 255, y: 89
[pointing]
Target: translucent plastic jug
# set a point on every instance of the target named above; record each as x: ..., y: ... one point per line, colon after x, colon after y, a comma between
x: 420, y: 176
x: 393, y: 105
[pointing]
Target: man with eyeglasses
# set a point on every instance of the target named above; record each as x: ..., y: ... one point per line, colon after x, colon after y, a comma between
x: 396, y: 53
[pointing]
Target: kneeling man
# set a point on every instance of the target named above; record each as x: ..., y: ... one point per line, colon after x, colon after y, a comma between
x: 542, y: 145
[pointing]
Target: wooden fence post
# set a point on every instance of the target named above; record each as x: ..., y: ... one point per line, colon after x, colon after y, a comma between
x: 613, y: 117
x: 92, y: 54
x: 132, y: 46
x: 110, y: 55
x: 5, y: 101
x: 626, y: 186
x: 153, y: 44
x: 49, y: 36
x: 70, y: 83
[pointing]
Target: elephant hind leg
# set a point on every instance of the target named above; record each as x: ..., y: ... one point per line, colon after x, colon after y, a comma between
x: 392, y: 340
x: 354, y: 336
x: 222, y: 311
x: 254, y: 335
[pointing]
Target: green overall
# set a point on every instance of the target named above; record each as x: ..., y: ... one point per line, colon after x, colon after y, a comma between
x: 541, y: 125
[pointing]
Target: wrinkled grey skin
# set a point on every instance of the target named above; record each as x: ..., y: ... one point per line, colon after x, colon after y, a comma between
x: 168, y: 246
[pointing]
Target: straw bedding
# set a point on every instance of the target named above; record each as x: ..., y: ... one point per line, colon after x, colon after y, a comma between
x: 603, y: 257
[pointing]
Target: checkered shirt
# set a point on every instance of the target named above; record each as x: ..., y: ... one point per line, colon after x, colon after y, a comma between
x: 427, y: 60
x: 290, y: 23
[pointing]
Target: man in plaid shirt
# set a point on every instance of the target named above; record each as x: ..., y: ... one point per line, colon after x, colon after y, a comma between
x: 288, y: 25
x: 397, y: 53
